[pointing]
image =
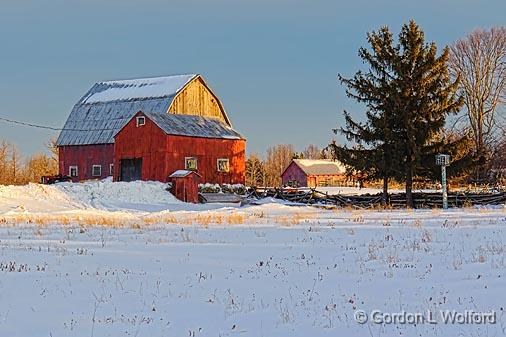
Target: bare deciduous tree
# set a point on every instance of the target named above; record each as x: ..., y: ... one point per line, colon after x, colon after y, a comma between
x: 37, y: 166
x: 15, y: 171
x: 278, y: 158
x: 479, y: 60
x: 255, y: 171
x: 312, y: 152
x: 4, y: 154
x: 53, y: 149
x: 15, y: 165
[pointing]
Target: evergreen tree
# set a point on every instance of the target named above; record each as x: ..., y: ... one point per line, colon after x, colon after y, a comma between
x: 374, y: 151
x: 408, y: 95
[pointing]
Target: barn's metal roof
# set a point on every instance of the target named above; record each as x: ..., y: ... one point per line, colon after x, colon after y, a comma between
x: 320, y: 167
x: 194, y: 126
x: 136, y: 89
x: 108, y: 106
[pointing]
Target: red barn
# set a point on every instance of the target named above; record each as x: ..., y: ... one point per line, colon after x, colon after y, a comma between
x: 152, y: 146
x: 87, y: 144
x: 313, y: 173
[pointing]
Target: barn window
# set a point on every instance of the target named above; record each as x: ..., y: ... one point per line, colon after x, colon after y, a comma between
x: 190, y: 163
x: 96, y: 170
x: 223, y: 165
x: 141, y: 120
x: 73, y: 172
x: 111, y: 169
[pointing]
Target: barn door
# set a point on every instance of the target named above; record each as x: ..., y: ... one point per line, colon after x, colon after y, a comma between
x: 130, y: 169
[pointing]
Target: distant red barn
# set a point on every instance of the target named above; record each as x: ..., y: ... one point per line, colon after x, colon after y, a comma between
x: 87, y: 145
x: 313, y: 173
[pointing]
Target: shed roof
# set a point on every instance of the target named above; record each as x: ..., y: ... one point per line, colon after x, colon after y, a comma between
x: 182, y: 173
x: 191, y: 125
x: 320, y: 166
x: 108, y: 106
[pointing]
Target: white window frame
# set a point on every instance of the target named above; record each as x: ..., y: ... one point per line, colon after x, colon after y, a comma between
x: 111, y: 169
x: 139, y: 119
x: 93, y: 170
x: 70, y: 171
x: 186, y: 163
x: 218, y: 165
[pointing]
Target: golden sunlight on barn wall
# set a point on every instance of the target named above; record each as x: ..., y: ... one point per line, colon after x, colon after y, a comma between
x: 197, y: 99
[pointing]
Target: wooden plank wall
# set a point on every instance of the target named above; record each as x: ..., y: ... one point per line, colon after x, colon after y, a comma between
x: 197, y: 99
x: 84, y: 157
x: 147, y: 142
x: 163, y: 154
x: 294, y: 173
x: 208, y: 151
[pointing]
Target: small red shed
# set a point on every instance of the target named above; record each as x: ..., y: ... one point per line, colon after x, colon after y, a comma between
x: 185, y: 185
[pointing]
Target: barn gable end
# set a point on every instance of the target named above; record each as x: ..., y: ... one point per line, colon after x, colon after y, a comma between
x: 196, y: 98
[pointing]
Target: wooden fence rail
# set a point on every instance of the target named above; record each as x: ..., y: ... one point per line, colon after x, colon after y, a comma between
x: 395, y: 200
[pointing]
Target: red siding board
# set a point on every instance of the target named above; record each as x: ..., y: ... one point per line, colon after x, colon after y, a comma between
x: 84, y: 157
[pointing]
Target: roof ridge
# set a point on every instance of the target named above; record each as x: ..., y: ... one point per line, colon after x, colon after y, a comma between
x: 136, y: 89
x: 148, y: 78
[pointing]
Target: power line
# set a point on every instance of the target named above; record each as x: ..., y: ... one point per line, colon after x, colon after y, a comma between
x: 12, y: 121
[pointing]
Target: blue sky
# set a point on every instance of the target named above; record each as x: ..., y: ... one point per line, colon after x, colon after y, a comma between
x: 273, y: 63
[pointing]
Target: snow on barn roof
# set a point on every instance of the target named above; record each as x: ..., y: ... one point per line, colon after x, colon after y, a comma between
x: 107, y: 106
x: 136, y: 89
x: 320, y: 166
x: 194, y: 126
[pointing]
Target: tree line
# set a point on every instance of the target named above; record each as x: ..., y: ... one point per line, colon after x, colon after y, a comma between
x: 409, y: 92
x: 15, y: 169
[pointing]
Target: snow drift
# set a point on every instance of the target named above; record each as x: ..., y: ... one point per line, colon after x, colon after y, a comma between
x: 101, y: 195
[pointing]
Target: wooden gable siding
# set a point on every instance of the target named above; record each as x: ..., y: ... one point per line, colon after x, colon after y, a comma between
x: 197, y: 99
x: 294, y: 173
x: 147, y: 142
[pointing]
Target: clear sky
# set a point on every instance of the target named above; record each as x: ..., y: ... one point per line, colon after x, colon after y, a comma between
x: 273, y: 63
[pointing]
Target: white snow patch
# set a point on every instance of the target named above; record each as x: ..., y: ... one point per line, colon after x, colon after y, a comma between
x: 285, y: 271
x: 103, y: 195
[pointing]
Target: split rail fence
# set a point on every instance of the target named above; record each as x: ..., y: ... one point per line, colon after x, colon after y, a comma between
x: 396, y: 200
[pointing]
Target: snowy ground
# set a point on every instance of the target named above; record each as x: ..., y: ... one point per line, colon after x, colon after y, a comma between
x: 98, y: 259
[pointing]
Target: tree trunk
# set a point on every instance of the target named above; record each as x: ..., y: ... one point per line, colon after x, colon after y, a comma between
x: 384, y: 197
x: 409, y: 186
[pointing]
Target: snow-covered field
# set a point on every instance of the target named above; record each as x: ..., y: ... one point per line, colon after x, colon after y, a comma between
x: 107, y: 259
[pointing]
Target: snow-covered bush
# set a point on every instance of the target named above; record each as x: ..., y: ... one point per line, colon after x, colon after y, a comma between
x: 224, y: 188
x: 209, y: 188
